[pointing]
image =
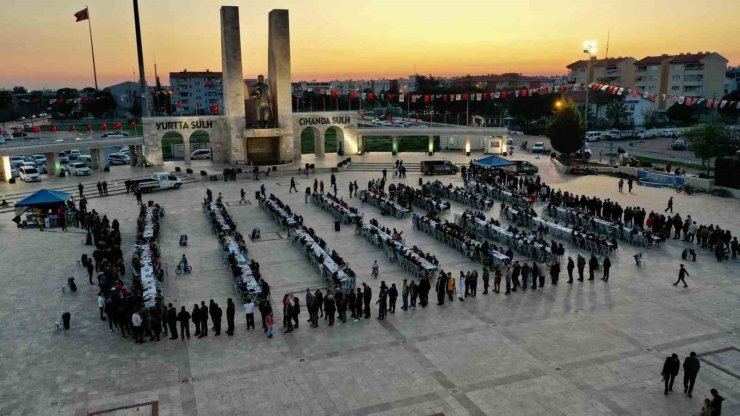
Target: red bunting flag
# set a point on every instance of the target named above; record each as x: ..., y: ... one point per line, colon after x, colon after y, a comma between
x: 465, y: 97
x: 524, y: 93
x: 88, y: 127
x: 53, y: 128
x: 427, y: 99
x: 103, y: 126
x: 36, y: 129
x: 503, y: 94
x: 390, y: 96
x: 179, y: 104
x: 214, y: 109
x: 117, y: 126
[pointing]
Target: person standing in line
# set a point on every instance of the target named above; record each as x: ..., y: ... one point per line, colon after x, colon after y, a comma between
x: 485, y: 278
x: 230, y: 311
x: 101, y: 305
x: 461, y: 293
x: 691, y: 368
x: 319, y: 303
x: 593, y: 264
x: 405, y: 295
x: 554, y: 272
x: 136, y: 323
x: 216, y: 318
x: 341, y: 303
x: 716, y: 402
x: 203, y: 319
x: 670, y: 205
x: 629, y: 185
x: 581, y: 262
x: 268, y: 323
x: 497, y: 280
x: 451, y: 287
x: 367, y: 295
x: 441, y: 287
x: 571, y: 265
x: 249, y: 313
x: 358, y: 305
x: 416, y: 291
x: 472, y: 283
x: 670, y: 370
x: 184, y: 318
x: 287, y: 314
x: 392, y: 296
x: 621, y: 184
x: 292, y: 185
x: 352, y: 304
x: 382, y: 301
x: 682, y: 273
x: 195, y: 316
x: 607, y: 265
x: 330, y: 306
x: 172, y: 320
x: 296, y: 311
x: 243, y: 194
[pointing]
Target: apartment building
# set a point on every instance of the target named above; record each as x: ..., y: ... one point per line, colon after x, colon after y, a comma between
x: 196, y: 91
x: 700, y: 74
x: 616, y: 71
x: 492, y: 82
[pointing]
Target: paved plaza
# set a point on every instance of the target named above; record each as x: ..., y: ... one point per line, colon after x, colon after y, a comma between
x: 590, y: 348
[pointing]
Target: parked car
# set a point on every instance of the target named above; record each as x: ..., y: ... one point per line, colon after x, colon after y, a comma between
x: 63, y: 158
x: 29, y: 174
x: 538, y: 147
x: 678, y: 144
x: 158, y: 181
x: 86, y: 159
x: 118, y: 159
x: 201, y: 154
x: 647, y: 134
x: 669, y: 133
x: 78, y: 169
x: 115, y: 134
x: 73, y: 154
x: 593, y: 136
x: 40, y: 159
x: 16, y: 161
x: 19, y: 134
x: 2, y: 140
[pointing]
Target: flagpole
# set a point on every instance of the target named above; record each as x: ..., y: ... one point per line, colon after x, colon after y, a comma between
x: 92, y: 48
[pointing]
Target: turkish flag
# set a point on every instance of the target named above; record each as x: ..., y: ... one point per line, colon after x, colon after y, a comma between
x: 427, y: 99
x: 36, y: 129
x: 88, y: 127
x: 72, y: 128
x: 53, y: 128
x: 179, y: 104
x: 333, y: 93
x: 117, y: 126
x: 504, y: 94
x: 214, y: 109
x: 103, y: 127
x: 370, y: 96
x: 132, y: 124
x: 82, y: 15
x: 390, y: 96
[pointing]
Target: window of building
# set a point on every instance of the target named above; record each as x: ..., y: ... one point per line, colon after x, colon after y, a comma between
x: 651, y: 88
x: 675, y: 88
x: 692, y: 88
x: 694, y: 67
x: 676, y: 78
x: 654, y: 67
x: 693, y: 78
x: 652, y: 78
x: 641, y: 68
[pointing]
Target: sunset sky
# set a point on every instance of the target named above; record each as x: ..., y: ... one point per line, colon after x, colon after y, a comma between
x: 42, y: 46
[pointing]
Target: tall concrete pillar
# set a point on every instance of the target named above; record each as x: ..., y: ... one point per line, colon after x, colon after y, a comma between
x: 51, y: 163
x: 186, y: 150
x: 468, y: 144
x: 133, y: 154
x: 5, y: 168
x: 430, y: 147
x: 98, y: 159
x: 394, y: 146
x: 278, y: 73
x: 233, y: 86
x: 319, y: 146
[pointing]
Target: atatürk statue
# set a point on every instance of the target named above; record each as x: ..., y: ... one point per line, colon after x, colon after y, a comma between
x: 262, y: 102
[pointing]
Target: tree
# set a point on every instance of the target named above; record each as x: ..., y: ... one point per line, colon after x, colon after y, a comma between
x: 17, y: 90
x: 710, y: 141
x: 616, y: 112
x: 684, y: 115
x: 566, y: 130
x: 427, y: 85
x: 651, y: 119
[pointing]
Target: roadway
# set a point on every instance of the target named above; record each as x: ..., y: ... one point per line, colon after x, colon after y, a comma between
x: 61, y: 141
x: 658, y: 148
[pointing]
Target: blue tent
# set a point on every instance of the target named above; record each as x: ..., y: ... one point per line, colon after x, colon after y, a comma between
x: 494, y: 162
x: 43, y: 198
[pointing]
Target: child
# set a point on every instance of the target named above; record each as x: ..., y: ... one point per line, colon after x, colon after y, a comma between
x: 268, y: 322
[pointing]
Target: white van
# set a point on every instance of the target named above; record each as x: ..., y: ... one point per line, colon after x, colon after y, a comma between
x: 593, y: 136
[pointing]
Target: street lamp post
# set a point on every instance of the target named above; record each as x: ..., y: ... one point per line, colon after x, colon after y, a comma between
x: 589, y: 48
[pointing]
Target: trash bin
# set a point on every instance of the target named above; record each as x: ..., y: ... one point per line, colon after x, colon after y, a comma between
x: 337, y: 225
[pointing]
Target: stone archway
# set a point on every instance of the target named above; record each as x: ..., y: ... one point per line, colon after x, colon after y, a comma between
x: 334, y: 140
x: 199, y: 139
x: 174, y: 146
x: 312, y: 141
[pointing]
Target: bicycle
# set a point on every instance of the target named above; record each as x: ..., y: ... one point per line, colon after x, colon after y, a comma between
x: 179, y: 269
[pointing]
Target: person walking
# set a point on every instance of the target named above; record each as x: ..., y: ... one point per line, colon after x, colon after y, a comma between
x: 230, y: 311
x: 629, y: 185
x: 670, y: 370
x: 184, y: 318
x: 670, y: 205
x: 621, y: 184
x: 682, y: 273
x: 243, y: 199
x: 691, y: 368
x: 105, y: 188
x: 249, y: 313
x: 607, y: 265
x: 306, y: 195
x: 80, y: 188
x: 581, y: 262
x: 292, y: 185
x: 571, y: 265
x: 392, y: 296
x: 593, y: 264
